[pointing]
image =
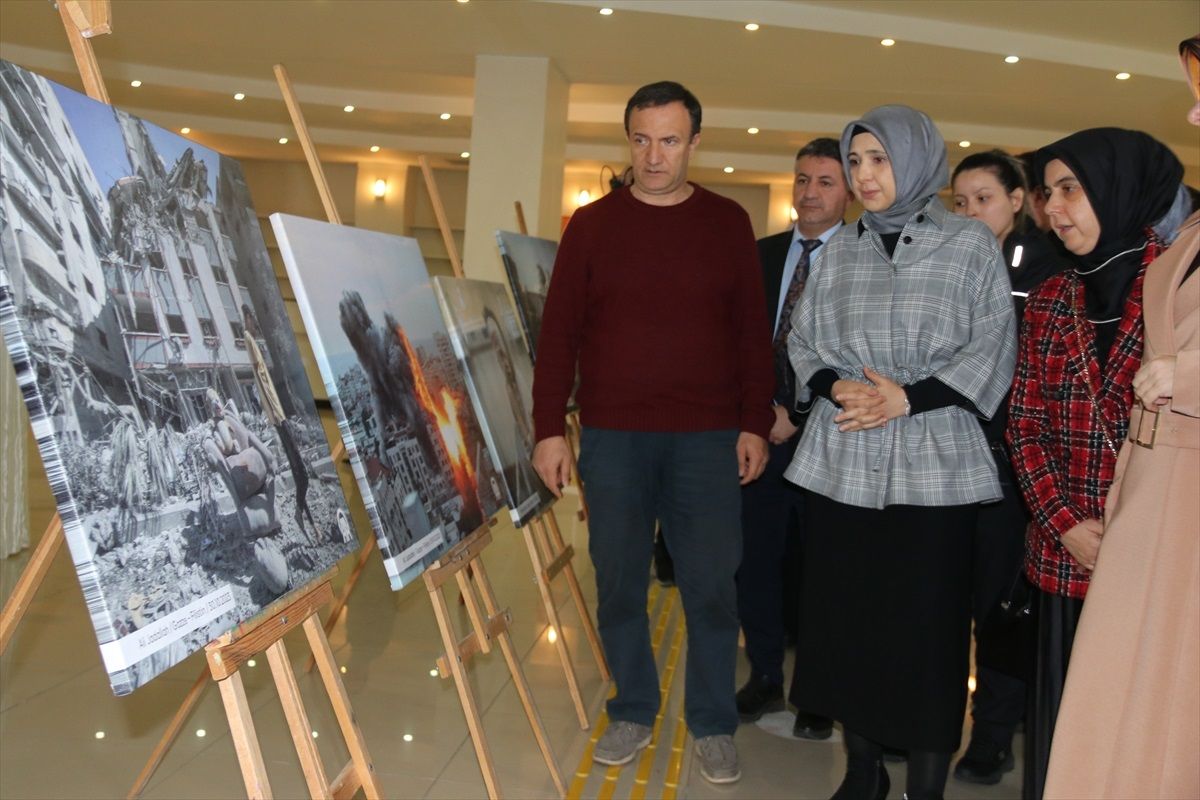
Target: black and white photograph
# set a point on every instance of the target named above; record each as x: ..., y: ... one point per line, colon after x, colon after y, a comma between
x: 528, y: 263
x: 423, y: 466
x: 163, y: 381
x: 487, y: 339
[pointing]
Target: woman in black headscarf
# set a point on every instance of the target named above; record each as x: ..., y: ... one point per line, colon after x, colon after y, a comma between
x: 1081, y: 343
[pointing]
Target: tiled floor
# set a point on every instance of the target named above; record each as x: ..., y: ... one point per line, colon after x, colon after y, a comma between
x: 54, y: 701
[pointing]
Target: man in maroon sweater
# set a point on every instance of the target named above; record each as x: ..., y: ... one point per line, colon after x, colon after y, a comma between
x: 657, y: 296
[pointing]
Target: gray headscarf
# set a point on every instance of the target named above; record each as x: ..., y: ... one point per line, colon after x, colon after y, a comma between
x: 917, y: 154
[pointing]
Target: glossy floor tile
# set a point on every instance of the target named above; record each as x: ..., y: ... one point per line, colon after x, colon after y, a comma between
x: 55, y: 703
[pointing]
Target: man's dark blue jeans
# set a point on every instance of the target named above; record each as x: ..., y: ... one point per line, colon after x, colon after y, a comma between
x: 689, y: 482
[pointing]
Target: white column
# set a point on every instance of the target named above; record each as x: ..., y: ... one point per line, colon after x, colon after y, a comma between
x: 518, y: 150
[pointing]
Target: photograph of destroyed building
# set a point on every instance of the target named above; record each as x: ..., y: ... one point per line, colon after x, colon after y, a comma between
x: 165, y: 387
x: 422, y: 463
x: 487, y: 340
x: 528, y: 263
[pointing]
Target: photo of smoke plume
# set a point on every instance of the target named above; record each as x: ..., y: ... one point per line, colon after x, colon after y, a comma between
x: 162, y: 378
x: 528, y: 263
x: 423, y: 466
x: 487, y: 340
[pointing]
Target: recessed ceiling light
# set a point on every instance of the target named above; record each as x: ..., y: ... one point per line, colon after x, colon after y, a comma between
x: 433, y: 673
x: 887, y: 42
x: 252, y: 663
x: 751, y: 26
x: 99, y: 734
x: 606, y: 12
x: 135, y: 84
x: 283, y: 140
x: 751, y: 131
x: 374, y: 148
x: 315, y: 734
x: 1011, y: 59
x: 408, y: 737
x: 464, y: 154
x: 964, y: 143
x: 185, y: 131
x: 464, y: 2
x: 1123, y: 76
x: 342, y: 669
x: 240, y: 96
x: 348, y: 109
x: 201, y: 733
x: 444, y: 116
x: 728, y: 170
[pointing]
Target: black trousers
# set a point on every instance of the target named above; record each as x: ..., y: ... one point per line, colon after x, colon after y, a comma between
x: 771, y: 508
x: 1057, y: 618
x: 1001, y: 644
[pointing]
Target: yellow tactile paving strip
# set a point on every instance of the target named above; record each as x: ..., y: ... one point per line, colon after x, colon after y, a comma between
x: 656, y: 772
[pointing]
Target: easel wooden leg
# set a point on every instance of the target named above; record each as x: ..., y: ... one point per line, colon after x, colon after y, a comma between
x: 518, y: 676
x: 245, y: 740
x: 585, y: 616
x: 30, y: 581
x: 474, y: 722
x: 531, y: 531
x: 297, y: 718
x: 355, y: 743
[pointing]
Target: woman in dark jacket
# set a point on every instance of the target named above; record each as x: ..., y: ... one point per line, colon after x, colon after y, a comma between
x: 1081, y: 343
x: 990, y: 187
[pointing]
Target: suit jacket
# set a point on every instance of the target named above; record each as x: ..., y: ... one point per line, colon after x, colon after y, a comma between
x: 772, y: 253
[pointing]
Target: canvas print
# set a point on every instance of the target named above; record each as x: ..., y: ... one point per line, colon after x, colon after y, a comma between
x: 528, y: 262
x: 487, y: 339
x: 421, y: 460
x: 162, y: 378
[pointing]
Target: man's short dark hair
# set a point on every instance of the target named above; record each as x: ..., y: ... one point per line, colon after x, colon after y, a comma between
x: 823, y: 147
x: 660, y: 94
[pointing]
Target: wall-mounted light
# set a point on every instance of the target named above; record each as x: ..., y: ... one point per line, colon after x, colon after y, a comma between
x: 379, y: 189
x: 583, y: 198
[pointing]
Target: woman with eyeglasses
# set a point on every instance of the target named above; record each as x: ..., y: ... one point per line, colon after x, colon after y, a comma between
x: 1130, y: 719
x: 1081, y: 343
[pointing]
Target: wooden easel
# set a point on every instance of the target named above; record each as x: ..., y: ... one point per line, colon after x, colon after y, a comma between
x: 226, y: 656
x: 489, y: 623
x: 463, y: 561
x: 82, y: 20
x: 551, y: 556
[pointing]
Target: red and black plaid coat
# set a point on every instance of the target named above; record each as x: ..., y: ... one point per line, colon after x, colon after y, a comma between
x: 1063, y: 450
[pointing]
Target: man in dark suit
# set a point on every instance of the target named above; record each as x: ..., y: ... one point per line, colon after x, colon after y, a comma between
x: 771, y: 505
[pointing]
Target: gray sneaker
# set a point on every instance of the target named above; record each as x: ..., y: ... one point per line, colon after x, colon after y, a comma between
x: 621, y: 742
x: 718, y: 759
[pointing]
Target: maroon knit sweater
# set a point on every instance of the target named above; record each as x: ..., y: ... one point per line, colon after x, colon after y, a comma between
x: 663, y: 308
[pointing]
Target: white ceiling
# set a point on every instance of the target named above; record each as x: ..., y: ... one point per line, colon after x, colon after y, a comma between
x: 810, y: 68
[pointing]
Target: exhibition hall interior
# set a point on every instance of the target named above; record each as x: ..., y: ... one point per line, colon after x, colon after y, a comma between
x: 272, y: 276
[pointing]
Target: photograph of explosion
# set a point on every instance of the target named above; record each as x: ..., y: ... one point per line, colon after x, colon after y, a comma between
x: 422, y: 463
x: 528, y: 263
x: 163, y: 381
x: 487, y: 340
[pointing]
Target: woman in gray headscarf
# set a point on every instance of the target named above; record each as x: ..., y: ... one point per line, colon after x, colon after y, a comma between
x: 906, y: 335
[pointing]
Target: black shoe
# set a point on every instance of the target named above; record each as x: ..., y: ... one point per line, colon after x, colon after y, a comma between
x: 853, y: 786
x: 812, y: 726
x: 984, y: 762
x: 758, y: 697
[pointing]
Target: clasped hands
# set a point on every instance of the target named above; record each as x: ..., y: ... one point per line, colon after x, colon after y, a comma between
x: 868, y: 405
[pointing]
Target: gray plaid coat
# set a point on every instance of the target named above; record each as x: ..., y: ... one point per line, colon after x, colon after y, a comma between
x: 941, y: 307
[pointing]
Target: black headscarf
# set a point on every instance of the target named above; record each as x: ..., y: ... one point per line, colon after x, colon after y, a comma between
x: 1130, y: 179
